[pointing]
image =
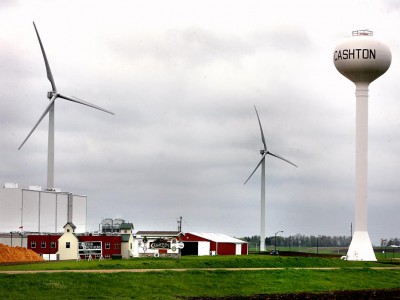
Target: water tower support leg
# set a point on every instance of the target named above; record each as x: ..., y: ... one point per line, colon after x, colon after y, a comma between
x: 360, y: 246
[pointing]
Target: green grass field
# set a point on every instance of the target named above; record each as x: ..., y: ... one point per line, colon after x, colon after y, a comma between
x: 380, y: 252
x: 201, y: 262
x: 286, y: 276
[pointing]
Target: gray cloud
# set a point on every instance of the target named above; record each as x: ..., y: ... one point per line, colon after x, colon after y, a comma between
x: 185, y: 135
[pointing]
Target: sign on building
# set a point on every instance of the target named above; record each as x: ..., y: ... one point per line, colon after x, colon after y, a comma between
x: 87, y: 249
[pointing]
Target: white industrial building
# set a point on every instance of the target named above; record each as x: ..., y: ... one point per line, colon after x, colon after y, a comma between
x: 34, y: 210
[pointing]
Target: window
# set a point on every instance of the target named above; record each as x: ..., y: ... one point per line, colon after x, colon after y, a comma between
x: 33, y: 244
x: 67, y: 245
x: 53, y: 245
x: 108, y: 246
x: 43, y: 244
x: 117, y: 246
x: 67, y: 230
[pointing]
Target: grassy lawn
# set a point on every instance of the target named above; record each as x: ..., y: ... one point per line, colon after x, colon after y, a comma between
x: 173, y: 285
x: 250, y: 261
x: 194, y: 283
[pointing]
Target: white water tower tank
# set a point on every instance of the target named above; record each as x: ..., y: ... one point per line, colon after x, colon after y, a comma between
x: 362, y: 58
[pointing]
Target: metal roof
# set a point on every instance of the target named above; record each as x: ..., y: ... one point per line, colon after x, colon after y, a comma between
x: 70, y: 224
x: 218, y: 237
x: 158, y: 233
x: 126, y: 226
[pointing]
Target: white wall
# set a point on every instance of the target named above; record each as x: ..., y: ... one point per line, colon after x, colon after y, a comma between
x: 79, y: 213
x: 48, y: 212
x: 10, y: 209
x: 39, y: 211
x: 62, y: 212
x: 17, y: 240
x: 49, y: 256
x: 204, y: 248
x: 30, y: 210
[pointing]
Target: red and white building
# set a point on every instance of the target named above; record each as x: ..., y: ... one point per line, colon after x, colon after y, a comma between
x: 212, y: 244
x: 72, y: 246
x: 82, y: 246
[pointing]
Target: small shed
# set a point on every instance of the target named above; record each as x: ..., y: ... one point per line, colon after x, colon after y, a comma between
x: 212, y: 244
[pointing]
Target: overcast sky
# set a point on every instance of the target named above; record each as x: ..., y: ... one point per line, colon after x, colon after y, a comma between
x: 182, y: 78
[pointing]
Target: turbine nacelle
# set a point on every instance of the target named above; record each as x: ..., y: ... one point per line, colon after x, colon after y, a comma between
x: 51, y: 94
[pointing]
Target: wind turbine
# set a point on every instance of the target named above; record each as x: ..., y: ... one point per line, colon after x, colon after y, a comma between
x: 264, y: 152
x: 53, y: 95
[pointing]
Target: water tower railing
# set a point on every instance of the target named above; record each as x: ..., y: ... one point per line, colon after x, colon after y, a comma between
x: 362, y: 32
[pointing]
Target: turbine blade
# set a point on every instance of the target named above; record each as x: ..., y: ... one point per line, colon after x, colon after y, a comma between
x: 80, y: 101
x: 262, y: 158
x: 262, y: 133
x: 49, y: 74
x: 280, y: 157
x: 40, y: 119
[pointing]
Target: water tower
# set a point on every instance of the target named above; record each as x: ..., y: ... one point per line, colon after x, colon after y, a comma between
x: 362, y: 59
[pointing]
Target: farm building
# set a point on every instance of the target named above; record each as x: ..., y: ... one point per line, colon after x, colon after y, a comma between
x: 212, y: 244
x: 125, y: 244
x: 157, y: 243
x: 71, y: 245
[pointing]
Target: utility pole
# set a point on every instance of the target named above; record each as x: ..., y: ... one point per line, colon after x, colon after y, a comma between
x: 180, y: 224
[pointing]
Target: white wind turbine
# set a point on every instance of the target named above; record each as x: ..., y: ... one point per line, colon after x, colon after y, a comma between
x: 53, y: 95
x: 264, y: 152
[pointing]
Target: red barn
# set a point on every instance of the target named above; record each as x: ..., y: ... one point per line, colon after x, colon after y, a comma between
x: 212, y: 244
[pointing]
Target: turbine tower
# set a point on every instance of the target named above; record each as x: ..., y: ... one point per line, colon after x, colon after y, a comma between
x: 53, y: 95
x: 264, y: 152
x: 362, y: 59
